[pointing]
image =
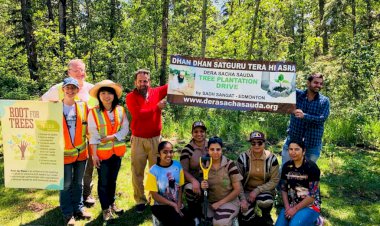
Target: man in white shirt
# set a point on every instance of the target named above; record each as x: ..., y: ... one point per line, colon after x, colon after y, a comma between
x: 77, y: 70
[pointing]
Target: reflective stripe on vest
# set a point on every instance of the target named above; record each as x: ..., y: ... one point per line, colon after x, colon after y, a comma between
x: 105, y: 128
x: 77, y: 150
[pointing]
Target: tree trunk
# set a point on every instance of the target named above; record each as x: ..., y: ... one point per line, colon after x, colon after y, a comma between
x: 112, y: 19
x: 323, y: 27
x: 30, y: 42
x: 250, y: 49
x: 73, y: 24
x: 111, y: 63
x: 369, y: 21
x: 91, y: 68
x: 302, y: 40
x: 353, y: 17
x: 204, y: 28
x: 62, y: 23
x: 50, y: 10
x: 155, y: 33
x: 164, y: 40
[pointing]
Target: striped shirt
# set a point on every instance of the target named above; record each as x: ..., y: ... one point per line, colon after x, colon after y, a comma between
x: 310, y: 128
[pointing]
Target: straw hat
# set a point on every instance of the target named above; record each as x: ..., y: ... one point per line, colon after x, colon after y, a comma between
x: 106, y: 83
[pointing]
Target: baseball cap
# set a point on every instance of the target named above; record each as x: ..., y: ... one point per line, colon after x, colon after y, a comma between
x: 198, y: 124
x: 256, y: 135
x: 70, y: 81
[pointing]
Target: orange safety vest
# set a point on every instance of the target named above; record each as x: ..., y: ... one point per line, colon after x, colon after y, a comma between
x: 76, y: 151
x: 105, y: 128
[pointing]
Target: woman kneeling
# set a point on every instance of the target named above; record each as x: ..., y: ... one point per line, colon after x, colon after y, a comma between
x: 223, y: 186
x: 300, y: 189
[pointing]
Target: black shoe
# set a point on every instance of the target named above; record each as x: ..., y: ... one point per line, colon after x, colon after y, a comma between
x: 140, y: 208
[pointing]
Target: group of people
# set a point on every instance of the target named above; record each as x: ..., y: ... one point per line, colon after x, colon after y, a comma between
x: 95, y: 129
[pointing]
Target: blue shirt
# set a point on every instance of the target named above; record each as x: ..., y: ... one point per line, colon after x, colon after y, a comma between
x: 310, y: 128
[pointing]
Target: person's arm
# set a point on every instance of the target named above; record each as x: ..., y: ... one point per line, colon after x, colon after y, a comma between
x: 242, y: 197
x: 93, y: 133
x: 163, y: 91
x: 185, y: 162
x: 323, y: 116
x: 291, y: 211
x: 186, y: 155
x: 51, y: 95
x: 139, y: 113
x: 124, y: 129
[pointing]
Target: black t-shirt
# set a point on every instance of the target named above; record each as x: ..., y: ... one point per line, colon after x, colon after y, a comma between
x: 301, y: 182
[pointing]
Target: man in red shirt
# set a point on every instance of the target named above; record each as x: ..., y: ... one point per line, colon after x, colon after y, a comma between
x: 145, y: 105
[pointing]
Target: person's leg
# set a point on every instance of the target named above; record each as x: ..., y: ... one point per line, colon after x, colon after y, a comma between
x: 103, y: 180
x: 166, y: 215
x: 226, y: 213
x: 65, y: 194
x: 313, y: 153
x: 265, y: 203
x: 87, y: 181
x: 247, y: 218
x: 194, y: 202
x: 152, y: 150
x: 138, y: 163
x: 305, y: 216
x: 281, y: 219
x: 77, y: 198
x: 285, y: 153
x: 115, y: 163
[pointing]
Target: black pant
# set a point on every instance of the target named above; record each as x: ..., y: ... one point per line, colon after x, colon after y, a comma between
x: 169, y: 217
x: 107, y: 174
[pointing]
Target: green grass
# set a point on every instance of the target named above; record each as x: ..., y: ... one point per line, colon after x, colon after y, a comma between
x: 350, y: 192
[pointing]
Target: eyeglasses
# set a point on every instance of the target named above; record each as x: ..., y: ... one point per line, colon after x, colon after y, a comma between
x: 258, y: 143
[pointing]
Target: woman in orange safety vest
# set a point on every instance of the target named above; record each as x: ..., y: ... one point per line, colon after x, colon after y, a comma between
x: 108, y: 126
x: 75, y: 153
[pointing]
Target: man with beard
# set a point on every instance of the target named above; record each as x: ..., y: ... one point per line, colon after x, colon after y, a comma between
x: 307, y: 121
x: 145, y: 105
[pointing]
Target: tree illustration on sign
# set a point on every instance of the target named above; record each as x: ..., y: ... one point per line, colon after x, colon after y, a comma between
x: 280, y: 80
x: 23, y: 145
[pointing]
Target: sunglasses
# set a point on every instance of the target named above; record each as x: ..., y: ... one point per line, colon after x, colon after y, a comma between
x: 259, y: 143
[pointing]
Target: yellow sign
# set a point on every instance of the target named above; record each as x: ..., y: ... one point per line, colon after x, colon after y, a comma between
x: 33, y: 144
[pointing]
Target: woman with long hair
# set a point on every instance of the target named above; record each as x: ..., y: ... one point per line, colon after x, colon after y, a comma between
x: 164, y: 183
x: 108, y: 127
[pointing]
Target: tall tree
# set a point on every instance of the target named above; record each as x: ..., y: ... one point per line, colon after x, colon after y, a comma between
x: 204, y: 28
x: 164, y: 40
x: 323, y: 27
x: 253, y: 34
x: 62, y: 23
x: 50, y: 10
x: 30, y: 42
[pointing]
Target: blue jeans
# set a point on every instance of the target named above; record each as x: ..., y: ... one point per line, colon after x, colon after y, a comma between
x: 70, y: 198
x: 304, y: 217
x: 107, y: 173
x: 312, y: 153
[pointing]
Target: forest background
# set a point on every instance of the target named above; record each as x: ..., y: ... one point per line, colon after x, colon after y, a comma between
x: 340, y: 38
